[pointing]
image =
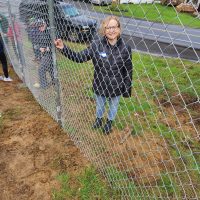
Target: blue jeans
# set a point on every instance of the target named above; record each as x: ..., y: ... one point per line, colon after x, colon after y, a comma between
x: 100, y: 106
x: 46, y: 65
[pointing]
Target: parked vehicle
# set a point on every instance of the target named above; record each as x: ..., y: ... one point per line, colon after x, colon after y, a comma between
x: 85, y: 1
x: 69, y: 22
x: 101, y: 2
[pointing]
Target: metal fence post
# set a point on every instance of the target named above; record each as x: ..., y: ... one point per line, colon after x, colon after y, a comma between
x: 57, y: 83
x: 18, y: 44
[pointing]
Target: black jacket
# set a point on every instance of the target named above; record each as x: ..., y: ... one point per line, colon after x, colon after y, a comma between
x: 43, y: 40
x: 112, y: 66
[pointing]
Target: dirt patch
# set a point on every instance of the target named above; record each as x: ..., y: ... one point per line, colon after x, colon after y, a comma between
x: 182, y: 112
x: 141, y: 158
x: 33, y: 148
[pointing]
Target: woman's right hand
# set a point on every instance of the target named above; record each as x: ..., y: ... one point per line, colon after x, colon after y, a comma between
x: 59, y: 44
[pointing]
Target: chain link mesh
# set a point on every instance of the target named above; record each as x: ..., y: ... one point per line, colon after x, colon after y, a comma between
x: 153, y: 150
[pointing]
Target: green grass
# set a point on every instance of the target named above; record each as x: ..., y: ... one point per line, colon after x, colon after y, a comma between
x: 152, y: 12
x: 167, y: 186
x: 65, y: 190
x: 155, y: 80
x: 119, y: 179
x: 86, y: 186
x: 93, y: 186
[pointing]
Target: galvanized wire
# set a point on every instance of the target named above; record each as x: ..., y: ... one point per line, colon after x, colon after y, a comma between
x: 153, y: 149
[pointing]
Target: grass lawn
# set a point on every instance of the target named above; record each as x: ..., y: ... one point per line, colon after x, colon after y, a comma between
x: 165, y: 90
x: 152, y: 12
x: 86, y: 186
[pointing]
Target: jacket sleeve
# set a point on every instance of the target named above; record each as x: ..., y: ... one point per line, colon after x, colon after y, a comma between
x: 128, y: 68
x: 78, y: 57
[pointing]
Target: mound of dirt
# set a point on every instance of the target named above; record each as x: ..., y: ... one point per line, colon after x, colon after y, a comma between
x: 33, y: 148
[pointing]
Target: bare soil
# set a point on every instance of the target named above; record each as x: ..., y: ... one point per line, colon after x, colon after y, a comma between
x: 183, y: 112
x: 33, y: 148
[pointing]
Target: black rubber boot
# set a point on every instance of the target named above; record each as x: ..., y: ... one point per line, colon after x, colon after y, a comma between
x: 97, y: 123
x: 108, y: 127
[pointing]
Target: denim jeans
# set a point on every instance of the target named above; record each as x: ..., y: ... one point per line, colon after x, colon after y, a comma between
x: 101, y: 103
x: 46, y: 65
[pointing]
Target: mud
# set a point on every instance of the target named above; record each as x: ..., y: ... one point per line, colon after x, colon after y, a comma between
x: 33, y: 148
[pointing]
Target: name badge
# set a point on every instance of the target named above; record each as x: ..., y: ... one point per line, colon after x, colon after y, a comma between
x: 103, y: 54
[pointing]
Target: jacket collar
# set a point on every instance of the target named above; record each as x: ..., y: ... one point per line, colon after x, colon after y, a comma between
x: 105, y: 41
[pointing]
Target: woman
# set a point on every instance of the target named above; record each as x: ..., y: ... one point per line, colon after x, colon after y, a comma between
x: 112, y: 62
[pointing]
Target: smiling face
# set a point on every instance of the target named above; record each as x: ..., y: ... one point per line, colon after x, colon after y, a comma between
x: 112, y: 31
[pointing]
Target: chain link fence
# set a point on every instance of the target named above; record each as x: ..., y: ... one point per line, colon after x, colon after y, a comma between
x: 153, y: 151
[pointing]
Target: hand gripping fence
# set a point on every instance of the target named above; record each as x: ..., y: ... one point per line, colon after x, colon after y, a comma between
x: 146, y: 144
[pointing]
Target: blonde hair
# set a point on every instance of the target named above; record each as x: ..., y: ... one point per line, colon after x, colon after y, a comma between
x: 105, y: 22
